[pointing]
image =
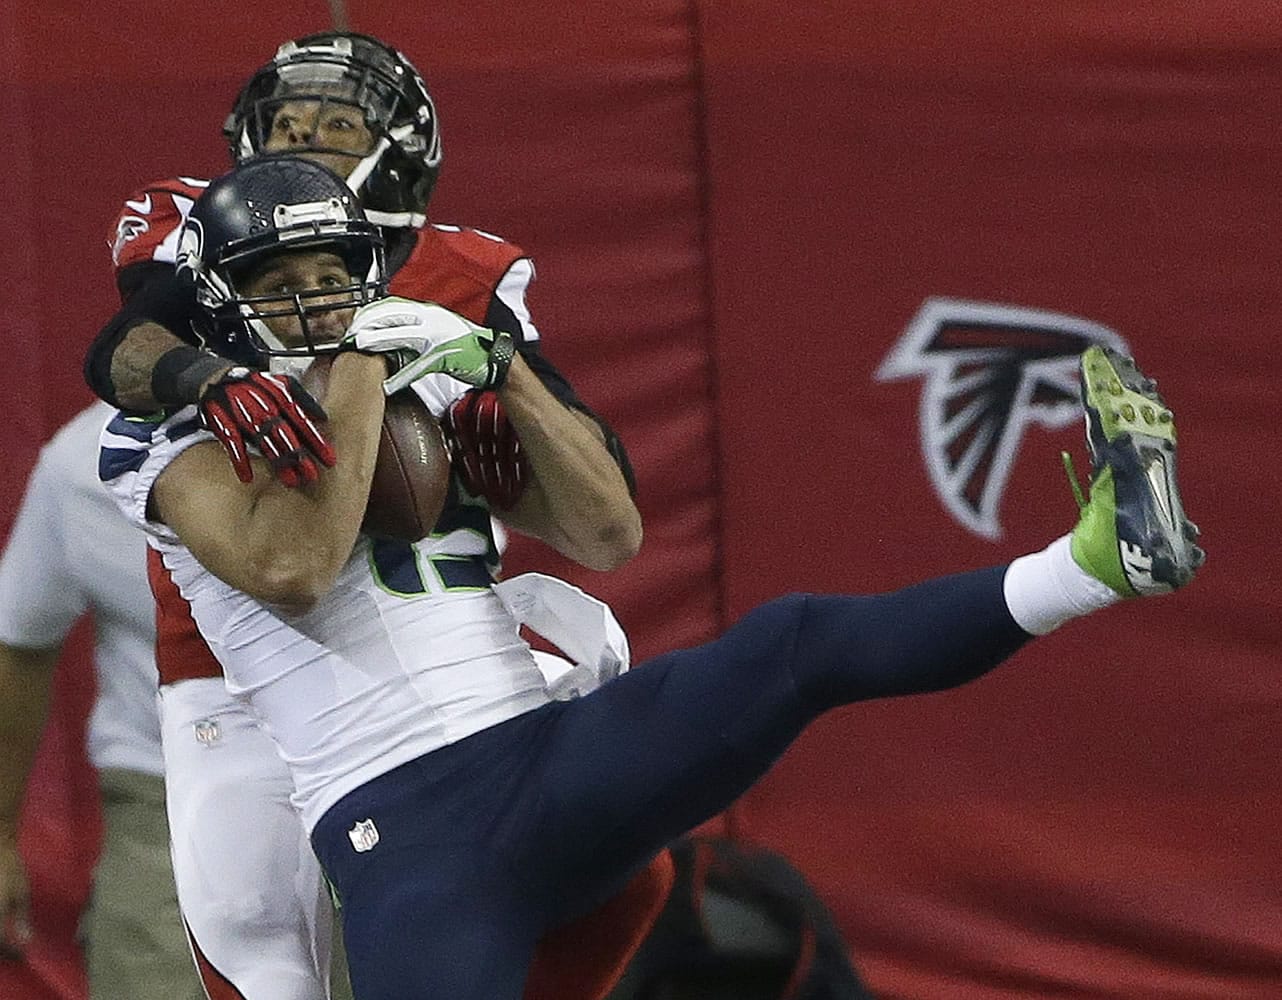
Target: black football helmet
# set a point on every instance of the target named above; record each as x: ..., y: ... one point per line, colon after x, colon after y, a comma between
x: 249, y: 217
x: 395, y: 180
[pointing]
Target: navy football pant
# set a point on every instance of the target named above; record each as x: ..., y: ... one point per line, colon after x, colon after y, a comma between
x: 485, y: 844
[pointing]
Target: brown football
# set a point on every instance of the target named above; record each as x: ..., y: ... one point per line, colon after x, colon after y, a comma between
x: 412, y: 472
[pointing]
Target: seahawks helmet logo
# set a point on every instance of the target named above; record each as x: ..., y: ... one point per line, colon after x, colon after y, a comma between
x: 189, y: 264
x: 990, y: 370
x: 191, y: 247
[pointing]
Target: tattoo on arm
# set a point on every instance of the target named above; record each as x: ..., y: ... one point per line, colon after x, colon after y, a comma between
x: 134, y: 360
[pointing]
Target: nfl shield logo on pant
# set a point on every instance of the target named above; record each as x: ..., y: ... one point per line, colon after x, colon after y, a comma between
x: 364, y: 835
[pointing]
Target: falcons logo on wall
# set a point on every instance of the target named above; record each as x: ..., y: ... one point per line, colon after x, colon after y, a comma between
x: 990, y: 370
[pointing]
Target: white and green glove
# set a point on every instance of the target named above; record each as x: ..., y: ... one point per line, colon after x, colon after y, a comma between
x: 422, y: 338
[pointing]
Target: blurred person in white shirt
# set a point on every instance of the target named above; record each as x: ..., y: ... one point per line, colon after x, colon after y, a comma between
x: 70, y: 552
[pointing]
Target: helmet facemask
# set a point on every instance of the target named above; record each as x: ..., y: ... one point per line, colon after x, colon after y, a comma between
x: 249, y: 286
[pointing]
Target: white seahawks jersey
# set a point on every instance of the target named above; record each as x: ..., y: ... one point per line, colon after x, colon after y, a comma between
x: 411, y: 650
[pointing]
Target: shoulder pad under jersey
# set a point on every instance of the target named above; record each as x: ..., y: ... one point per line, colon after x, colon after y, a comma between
x: 457, y: 267
x: 147, y: 225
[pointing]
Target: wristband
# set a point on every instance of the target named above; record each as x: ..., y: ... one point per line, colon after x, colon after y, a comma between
x: 180, y: 372
x: 501, y: 355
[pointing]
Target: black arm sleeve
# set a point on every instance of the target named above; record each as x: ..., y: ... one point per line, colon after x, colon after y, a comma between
x: 151, y: 292
x: 500, y: 317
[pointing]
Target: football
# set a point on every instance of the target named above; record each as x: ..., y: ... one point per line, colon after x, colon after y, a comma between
x: 412, y: 471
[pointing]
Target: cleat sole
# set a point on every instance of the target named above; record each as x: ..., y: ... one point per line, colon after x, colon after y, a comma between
x: 1122, y: 398
x: 1131, y: 436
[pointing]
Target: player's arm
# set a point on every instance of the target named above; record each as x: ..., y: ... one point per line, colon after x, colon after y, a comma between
x: 144, y: 359
x: 283, y: 546
x: 577, y: 499
x: 137, y: 358
x: 153, y: 320
x: 578, y: 495
x: 26, y: 680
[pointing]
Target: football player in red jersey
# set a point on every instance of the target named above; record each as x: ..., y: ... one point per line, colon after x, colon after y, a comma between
x: 360, y: 107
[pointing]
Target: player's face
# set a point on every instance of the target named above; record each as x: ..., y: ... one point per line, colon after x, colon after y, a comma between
x: 299, y: 273
x: 330, y: 133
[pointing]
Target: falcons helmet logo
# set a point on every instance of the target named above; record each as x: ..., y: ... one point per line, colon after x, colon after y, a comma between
x: 990, y: 370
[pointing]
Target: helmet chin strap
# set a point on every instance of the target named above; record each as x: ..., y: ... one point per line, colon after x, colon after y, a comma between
x: 396, y: 220
x: 261, y: 330
x: 220, y: 290
x: 361, y: 173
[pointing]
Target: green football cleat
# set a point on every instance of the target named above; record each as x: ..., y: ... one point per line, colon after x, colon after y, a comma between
x: 1132, y: 534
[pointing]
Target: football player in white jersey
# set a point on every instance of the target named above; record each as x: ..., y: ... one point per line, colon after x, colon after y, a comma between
x: 458, y: 810
x: 354, y: 103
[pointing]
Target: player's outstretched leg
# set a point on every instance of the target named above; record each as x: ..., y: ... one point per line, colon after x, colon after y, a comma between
x: 691, y: 730
x: 1132, y: 534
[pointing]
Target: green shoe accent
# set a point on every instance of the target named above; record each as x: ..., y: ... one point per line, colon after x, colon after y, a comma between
x: 1094, y: 541
x: 1071, y: 472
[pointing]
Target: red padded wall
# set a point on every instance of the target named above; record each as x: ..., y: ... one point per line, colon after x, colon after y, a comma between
x: 736, y: 210
x: 1097, y: 819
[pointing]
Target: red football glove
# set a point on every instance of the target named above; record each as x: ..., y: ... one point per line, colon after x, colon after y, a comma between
x: 485, y: 449
x: 274, y: 414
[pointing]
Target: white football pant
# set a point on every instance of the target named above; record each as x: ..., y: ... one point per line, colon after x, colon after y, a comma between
x: 250, y: 889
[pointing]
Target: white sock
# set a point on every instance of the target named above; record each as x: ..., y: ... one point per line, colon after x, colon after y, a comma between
x: 1047, y: 588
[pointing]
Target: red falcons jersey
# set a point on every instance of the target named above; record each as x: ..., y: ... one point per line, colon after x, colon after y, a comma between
x: 462, y: 269
x: 468, y: 271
